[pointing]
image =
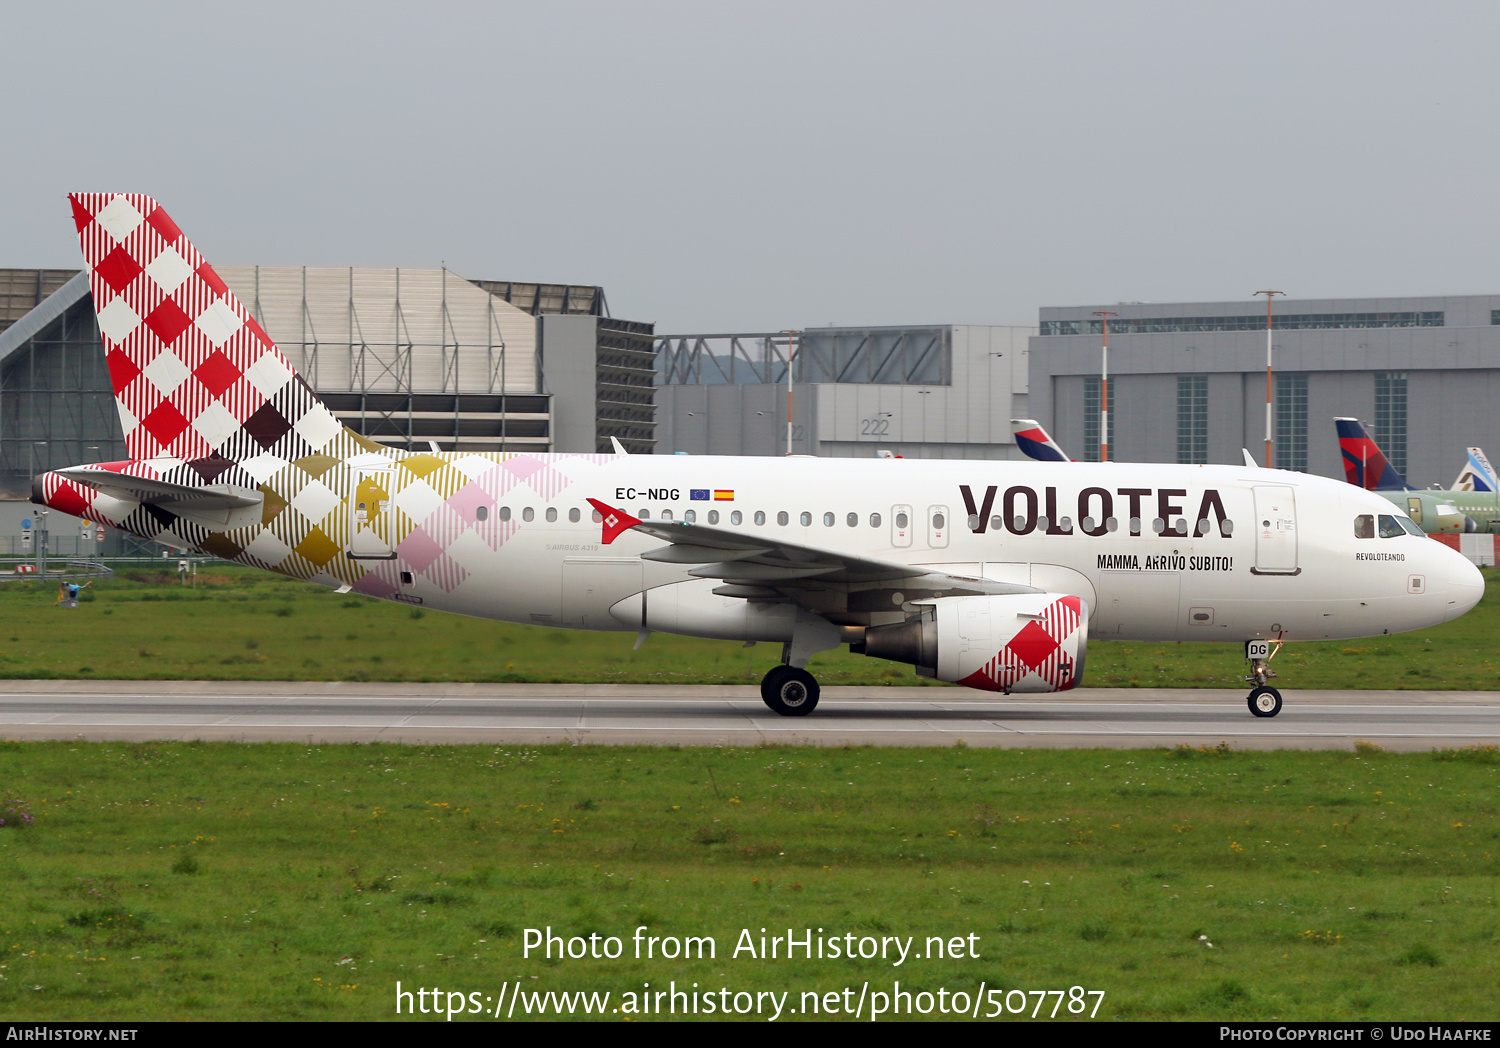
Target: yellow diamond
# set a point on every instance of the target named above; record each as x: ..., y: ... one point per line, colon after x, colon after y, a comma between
x: 421, y: 465
x: 317, y: 548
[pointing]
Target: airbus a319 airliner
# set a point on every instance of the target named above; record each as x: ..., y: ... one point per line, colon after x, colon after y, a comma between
x: 988, y: 574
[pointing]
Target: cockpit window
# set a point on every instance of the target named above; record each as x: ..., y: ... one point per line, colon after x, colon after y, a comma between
x: 1389, y: 529
x: 1410, y: 526
x: 1364, y: 526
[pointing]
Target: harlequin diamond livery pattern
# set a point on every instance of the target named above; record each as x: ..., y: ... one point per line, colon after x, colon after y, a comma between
x: 232, y: 453
x: 194, y: 375
x: 1037, y: 657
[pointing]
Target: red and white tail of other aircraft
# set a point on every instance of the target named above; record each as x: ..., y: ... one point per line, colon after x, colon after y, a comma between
x: 988, y: 574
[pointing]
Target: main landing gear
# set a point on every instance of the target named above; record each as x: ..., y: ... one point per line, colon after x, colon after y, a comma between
x: 790, y: 691
x: 1264, y: 700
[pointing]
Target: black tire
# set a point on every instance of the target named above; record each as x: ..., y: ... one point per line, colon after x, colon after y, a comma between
x: 771, y: 680
x: 789, y: 691
x: 1265, y: 701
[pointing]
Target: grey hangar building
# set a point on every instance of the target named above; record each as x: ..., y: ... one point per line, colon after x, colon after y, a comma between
x: 1187, y: 381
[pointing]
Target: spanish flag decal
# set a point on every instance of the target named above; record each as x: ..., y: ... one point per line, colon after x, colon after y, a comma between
x: 721, y: 495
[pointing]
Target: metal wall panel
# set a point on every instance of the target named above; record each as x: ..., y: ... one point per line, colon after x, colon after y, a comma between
x: 391, y: 330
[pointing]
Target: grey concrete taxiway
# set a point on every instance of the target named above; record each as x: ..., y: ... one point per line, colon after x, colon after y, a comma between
x: 720, y: 715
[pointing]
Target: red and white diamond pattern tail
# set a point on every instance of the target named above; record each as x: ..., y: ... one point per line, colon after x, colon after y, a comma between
x: 1043, y: 655
x: 194, y: 375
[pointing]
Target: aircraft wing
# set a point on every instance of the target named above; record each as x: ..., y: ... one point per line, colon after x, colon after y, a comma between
x: 761, y: 566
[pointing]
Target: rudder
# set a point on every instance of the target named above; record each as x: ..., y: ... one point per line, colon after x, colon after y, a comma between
x: 194, y: 375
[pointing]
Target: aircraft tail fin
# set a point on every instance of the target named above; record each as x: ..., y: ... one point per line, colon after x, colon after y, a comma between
x: 1365, y: 465
x: 1032, y: 439
x: 1477, y: 474
x: 194, y: 375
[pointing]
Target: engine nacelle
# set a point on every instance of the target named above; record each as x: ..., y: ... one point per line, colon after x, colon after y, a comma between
x: 1026, y: 642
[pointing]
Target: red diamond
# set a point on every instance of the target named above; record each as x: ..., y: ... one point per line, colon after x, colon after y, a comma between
x: 1032, y: 645
x: 68, y: 499
x: 163, y: 224
x: 81, y: 216
x: 122, y: 369
x: 118, y: 269
x: 167, y: 321
x: 208, y: 276
x: 165, y: 423
x: 216, y: 373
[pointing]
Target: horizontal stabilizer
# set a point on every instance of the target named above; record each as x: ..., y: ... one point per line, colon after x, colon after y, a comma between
x: 218, y: 507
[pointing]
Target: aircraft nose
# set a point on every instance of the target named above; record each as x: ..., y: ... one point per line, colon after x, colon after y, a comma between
x: 1464, y: 585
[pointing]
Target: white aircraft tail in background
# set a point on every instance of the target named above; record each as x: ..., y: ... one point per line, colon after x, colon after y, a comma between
x: 1477, y: 474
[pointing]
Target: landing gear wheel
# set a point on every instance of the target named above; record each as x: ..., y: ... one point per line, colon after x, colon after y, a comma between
x: 789, y: 691
x: 1265, y: 701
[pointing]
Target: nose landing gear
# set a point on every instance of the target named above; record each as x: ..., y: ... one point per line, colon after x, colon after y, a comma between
x: 1264, y: 700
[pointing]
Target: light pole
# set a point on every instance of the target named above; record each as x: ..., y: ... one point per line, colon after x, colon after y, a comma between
x: 1270, y: 295
x: 791, y: 346
x: 1104, y: 314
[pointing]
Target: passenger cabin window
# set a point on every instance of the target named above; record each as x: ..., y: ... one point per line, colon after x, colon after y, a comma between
x: 806, y: 519
x: 736, y: 518
x: 573, y: 515
x: 666, y: 514
x: 853, y: 520
x: 528, y: 514
x: 760, y: 516
x: 828, y: 520
x: 713, y: 516
x: 874, y: 520
x: 504, y: 512
x: 481, y: 513
x: 691, y: 516
x: 551, y: 514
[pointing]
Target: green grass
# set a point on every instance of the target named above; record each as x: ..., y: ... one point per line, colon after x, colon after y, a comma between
x: 241, y: 624
x: 222, y: 881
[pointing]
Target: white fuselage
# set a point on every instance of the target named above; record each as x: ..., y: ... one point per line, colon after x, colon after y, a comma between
x: 1290, y: 564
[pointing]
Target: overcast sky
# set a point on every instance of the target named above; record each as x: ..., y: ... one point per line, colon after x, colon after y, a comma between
x: 748, y: 167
